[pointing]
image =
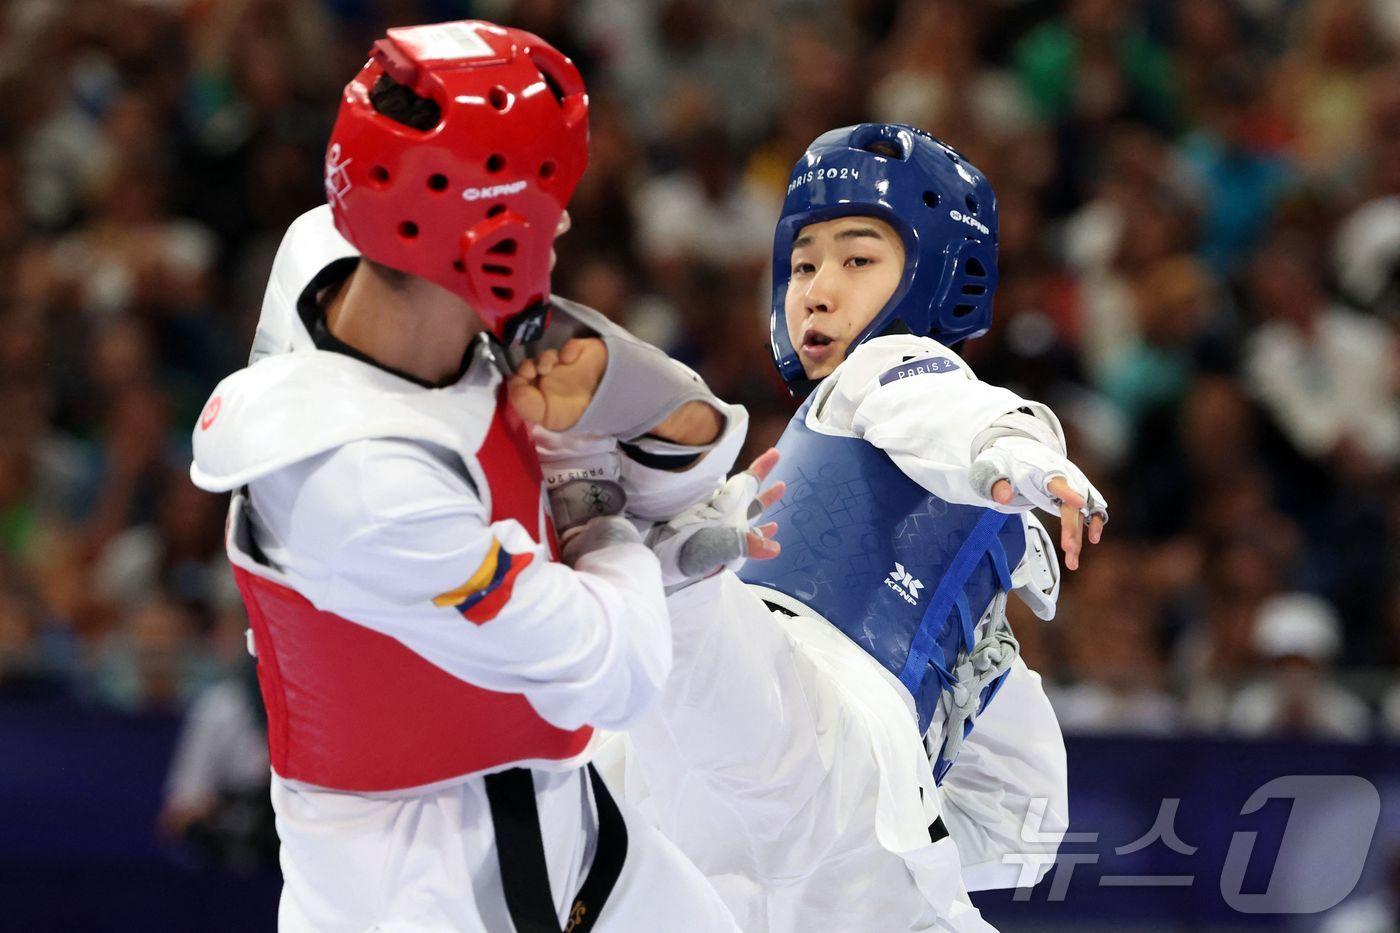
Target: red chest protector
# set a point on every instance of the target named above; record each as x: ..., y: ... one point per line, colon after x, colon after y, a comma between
x: 351, y: 709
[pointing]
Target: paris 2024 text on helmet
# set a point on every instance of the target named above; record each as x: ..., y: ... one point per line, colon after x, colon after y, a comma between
x: 472, y: 203
x: 943, y: 208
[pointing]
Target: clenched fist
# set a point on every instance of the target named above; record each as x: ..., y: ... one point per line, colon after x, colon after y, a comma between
x: 554, y: 389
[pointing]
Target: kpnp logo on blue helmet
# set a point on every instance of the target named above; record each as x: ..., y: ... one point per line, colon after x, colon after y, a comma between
x: 941, y: 205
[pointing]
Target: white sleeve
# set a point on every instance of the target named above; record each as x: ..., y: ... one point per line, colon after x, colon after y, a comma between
x: 1006, y: 798
x: 387, y: 534
x: 659, y: 494
x: 919, y: 402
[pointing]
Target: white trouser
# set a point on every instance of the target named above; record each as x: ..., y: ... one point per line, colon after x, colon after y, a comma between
x: 1006, y: 798
x: 786, y: 763
x: 427, y: 861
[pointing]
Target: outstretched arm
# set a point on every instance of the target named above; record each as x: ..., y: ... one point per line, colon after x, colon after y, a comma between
x: 962, y: 439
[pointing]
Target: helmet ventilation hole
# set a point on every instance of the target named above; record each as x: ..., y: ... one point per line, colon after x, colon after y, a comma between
x: 437, y: 182
x: 504, y: 248
x: 931, y: 198
x: 885, y: 147
x: 496, y: 210
x: 962, y: 310
x: 379, y: 175
x: 974, y: 267
x: 551, y: 82
x: 499, y: 97
x: 971, y: 203
x: 493, y: 269
x: 505, y: 294
x: 974, y: 291
x: 495, y: 163
x: 459, y: 266
x: 408, y: 230
x: 547, y: 169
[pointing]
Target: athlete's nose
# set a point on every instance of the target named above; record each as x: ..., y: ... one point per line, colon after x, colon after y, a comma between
x: 819, y: 298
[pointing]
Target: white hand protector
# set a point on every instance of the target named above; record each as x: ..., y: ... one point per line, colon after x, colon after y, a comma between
x: 1027, y: 449
x: 583, y: 476
x: 1029, y: 466
x: 709, y: 536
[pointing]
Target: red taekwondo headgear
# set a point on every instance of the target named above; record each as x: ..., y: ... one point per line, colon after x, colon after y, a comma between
x: 472, y: 203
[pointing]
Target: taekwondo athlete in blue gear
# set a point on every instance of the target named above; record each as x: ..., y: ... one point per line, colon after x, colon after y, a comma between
x: 790, y: 755
x: 851, y: 516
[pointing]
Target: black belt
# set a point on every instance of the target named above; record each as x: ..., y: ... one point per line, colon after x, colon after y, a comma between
x: 520, y: 851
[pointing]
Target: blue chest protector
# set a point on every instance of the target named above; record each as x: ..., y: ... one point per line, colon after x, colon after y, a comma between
x: 903, y: 573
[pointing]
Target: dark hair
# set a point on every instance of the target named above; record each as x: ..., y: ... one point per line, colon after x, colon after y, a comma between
x: 399, y: 103
x: 886, y: 148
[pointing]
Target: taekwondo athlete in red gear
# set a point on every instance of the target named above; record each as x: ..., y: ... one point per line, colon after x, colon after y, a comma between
x: 833, y: 782
x: 433, y: 672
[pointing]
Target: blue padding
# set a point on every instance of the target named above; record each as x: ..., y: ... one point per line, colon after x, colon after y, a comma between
x: 998, y: 552
x: 969, y: 624
x: 866, y: 548
x: 974, y: 547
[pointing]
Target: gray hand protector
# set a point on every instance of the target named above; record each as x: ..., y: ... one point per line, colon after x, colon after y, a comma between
x: 709, y: 536
x: 640, y: 388
x: 603, y: 531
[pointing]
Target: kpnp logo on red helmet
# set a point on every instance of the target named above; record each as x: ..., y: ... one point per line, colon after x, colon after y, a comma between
x: 471, y: 204
x: 495, y: 191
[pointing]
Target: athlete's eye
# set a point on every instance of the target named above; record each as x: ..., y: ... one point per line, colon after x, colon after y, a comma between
x: 859, y: 261
x: 803, y: 268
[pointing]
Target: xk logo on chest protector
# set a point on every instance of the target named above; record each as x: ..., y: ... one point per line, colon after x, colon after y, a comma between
x: 904, y: 583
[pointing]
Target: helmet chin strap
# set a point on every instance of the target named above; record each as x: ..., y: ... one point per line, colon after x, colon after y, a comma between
x: 894, y: 327
x: 527, y: 326
x: 801, y: 388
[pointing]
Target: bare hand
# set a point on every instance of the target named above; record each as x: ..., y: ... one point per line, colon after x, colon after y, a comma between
x: 1071, y: 518
x: 554, y: 389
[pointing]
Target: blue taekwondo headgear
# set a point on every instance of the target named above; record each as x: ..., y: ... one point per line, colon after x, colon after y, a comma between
x: 942, y: 206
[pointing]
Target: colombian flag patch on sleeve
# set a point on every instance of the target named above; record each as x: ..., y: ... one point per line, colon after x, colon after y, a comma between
x: 489, y: 589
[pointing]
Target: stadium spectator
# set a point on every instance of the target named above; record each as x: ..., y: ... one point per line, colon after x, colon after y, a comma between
x: 1178, y: 187
x: 1298, y: 636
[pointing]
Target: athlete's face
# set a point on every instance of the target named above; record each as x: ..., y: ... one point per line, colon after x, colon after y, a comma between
x: 843, y: 273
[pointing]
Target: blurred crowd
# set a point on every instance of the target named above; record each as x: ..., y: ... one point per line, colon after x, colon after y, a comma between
x: 1200, y: 271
